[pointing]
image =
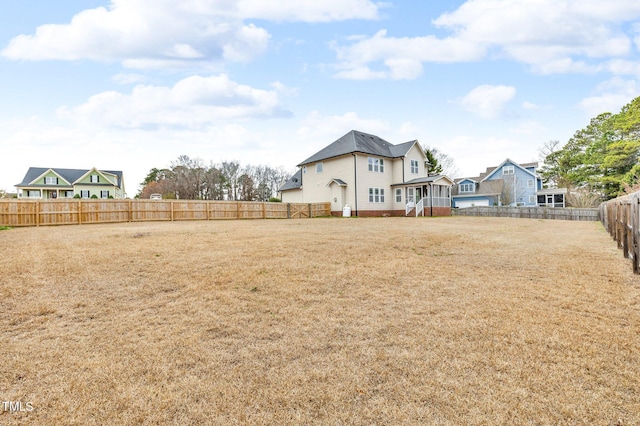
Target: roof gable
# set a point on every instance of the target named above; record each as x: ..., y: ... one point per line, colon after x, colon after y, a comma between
x: 71, y: 176
x: 465, y: 180
x: 360, y: 142
x: 493, y: 172
x: 46, y: 173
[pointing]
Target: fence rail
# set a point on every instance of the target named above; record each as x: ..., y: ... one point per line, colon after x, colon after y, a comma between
x: 620, y: 218
x: 16, y: 213
x: 530, y: 212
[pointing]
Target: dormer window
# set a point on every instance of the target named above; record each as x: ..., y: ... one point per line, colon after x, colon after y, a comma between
x: 508, y: 170
x: 94, y: 178
x: 51, y: 181
x: 467, y: 187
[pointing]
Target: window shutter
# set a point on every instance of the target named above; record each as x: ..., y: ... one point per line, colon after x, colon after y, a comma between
x: 57, y: 181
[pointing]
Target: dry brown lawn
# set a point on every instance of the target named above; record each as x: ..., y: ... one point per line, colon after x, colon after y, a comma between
x: 386, y: 321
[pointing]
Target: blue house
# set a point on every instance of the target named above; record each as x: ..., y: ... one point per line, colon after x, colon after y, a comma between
x: 509, y: 184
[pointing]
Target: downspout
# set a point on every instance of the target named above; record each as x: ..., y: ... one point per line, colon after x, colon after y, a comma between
x: 355, y: 185
x: 431, y: 195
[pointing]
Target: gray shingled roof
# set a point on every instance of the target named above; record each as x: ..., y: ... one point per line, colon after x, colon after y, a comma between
x: 70, y: 175
x: 360, y: 142
x: 294, y: 182
x: 487, y: 187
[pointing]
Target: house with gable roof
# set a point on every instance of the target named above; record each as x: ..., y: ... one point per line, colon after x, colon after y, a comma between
x: 509, y: 184
x: 370, y: 177
x: 53, y: 183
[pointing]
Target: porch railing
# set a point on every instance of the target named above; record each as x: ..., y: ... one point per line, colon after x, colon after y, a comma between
x: 420, y: 208
x: 437, y: 201
x: 408, y: 207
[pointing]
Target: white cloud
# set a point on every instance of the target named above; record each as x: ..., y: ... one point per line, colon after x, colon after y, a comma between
x: 194, y: 102
x: 611, y: 96
x: 128, y: 78
x: 551, y: 36
x: 402, y: 57
x: 529, y: 106
x: 175, y: 33
x: 488, y: 101
x: 309, y: 10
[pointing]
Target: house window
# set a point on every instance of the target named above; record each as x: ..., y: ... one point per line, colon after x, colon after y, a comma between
x: 319, y: 167
x: 532, y: 199
x: 467, y: 187
x: 376, y: 165
x: 85, y: 194
x: 398, y: 195
x: 530, y: 183
x: 376, y: 195
x: 304, y: 169
x: 51, y: 181
x: 33, y: 193
x: 94, y: 178
x: 67, y: 194
x: 508, y: 170
x: 104, y: 194
x: 414, y: 167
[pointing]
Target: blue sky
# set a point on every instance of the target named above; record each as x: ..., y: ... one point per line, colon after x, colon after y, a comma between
x: 131, y: 84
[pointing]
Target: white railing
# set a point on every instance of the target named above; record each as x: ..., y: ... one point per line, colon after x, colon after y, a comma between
x: 408, y: 207
x: 420, y: 207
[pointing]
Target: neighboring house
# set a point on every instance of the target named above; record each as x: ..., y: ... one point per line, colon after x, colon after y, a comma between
x: 370, y: 177
x: 52, y: 183
x: 509, y: 184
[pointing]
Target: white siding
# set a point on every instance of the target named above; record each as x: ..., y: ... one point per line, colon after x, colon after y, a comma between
x: 315, y: 185
x: 292, y: 196
x: 415, y: 153
x: 367, y: 179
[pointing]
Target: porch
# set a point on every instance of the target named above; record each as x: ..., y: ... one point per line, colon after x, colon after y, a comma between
x: 429, y: 196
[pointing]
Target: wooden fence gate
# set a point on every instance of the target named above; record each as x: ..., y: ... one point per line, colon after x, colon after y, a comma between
x: 300, y: 211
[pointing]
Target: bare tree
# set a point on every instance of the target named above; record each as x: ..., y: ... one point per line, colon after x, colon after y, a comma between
x: 231, y: 174
x: 583, y: 198
x: 512, y: 190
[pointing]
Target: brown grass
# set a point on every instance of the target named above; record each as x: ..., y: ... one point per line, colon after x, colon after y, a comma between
x: 324, y: 321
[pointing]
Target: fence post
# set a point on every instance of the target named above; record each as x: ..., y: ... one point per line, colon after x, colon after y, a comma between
x: 634, y: 237
x: 37, y: 213
x: 310, y: 211
x: 288, y: 210
x: 171, y: 210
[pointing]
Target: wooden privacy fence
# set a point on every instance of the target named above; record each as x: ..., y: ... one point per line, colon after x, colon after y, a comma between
x: 74, y: 212
x: 620, y: 218
x: 530, y: 212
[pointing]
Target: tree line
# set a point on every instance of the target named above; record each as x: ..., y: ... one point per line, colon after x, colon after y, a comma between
x: 192, y: 179
x: 600, y: 160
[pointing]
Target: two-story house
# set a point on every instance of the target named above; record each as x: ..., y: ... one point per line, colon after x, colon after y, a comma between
x: 50, y: 183
x: 371, y: 177
x: 509, y: 184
